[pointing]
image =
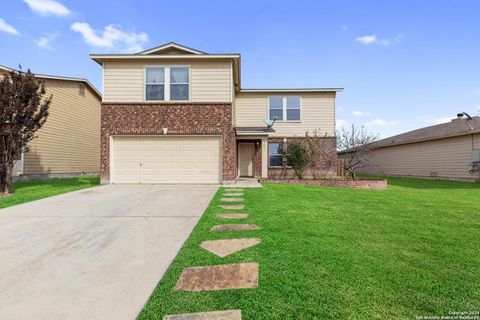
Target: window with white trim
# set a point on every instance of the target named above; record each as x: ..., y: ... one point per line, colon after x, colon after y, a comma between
x: 275, y: 108
x: 286, y: 108
x: 275, y: 154
x: 167, y: 83
x: 179, y: 83
x: 155, y: 84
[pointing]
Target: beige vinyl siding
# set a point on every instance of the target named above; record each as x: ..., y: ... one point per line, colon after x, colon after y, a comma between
x: 210, y: 81
x: 444, y: 158
x: 69, y: 142
x: 317, y: 112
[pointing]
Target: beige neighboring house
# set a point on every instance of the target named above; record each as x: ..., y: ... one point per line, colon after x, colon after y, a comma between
x: 445, y: 151
x: 173, y: 114
x: 69, y: 143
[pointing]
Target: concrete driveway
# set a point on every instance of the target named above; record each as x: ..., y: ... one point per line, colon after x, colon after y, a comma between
x: 93, y: 254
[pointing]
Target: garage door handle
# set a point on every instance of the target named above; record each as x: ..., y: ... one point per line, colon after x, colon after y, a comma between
x: 140, y: 164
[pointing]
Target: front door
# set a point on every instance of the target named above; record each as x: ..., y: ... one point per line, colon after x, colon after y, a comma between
x: 246, y: 152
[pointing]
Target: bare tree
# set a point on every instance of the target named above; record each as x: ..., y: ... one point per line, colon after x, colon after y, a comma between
x: 22, y: 112
x: 321, y: 150
x: 356, y: 146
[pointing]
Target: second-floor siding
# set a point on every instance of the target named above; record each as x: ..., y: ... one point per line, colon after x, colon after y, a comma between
x: 317, y: 111
x: 209, y: 81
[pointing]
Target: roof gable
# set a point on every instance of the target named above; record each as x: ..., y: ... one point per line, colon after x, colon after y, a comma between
x: 171, y: 48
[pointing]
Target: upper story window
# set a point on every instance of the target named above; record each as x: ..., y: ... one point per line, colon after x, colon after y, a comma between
x: 155, y: 84
x: 167, y: 83
x: 284, y: 108
x: 179, y: 83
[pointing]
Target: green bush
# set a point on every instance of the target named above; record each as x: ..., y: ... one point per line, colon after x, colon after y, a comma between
x: 298, y: 158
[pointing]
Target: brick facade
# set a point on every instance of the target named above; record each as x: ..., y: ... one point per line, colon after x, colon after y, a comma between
x: 326, y: 169
x: 185, y: 118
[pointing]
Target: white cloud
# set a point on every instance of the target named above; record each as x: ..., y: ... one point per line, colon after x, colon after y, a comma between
x: 367, y: 39
x: 476, y: 92
x: 5, y: 27
x: 46, y: 41
x: 439, y: 120
x: 371, y: 39
x: 111, y: 37
x: 360, y: 113
x: 344, y: 27
x: 381, y: 123
x: 48, y: 7
x: 339, y: 123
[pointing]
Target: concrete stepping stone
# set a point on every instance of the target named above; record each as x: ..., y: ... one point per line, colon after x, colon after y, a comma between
x: 235, y: 227
x: 223, y: 248
x: 219, y: 277
x: 214, y: 315
x: 231, y: 199
x: 232, y: 206
x: 236, y: 194
x: 233, y: 189
x: 232, y: 215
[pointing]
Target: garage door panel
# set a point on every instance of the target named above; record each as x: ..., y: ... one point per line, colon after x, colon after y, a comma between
x: 156, y: 159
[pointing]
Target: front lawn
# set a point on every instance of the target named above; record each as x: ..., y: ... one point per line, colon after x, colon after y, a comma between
x: 34, y: 190
x: 328, y: 253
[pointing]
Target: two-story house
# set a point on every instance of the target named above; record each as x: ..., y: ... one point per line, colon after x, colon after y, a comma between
x: 173, y: 114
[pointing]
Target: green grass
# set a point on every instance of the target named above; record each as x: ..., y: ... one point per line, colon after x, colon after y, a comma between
x: 33, y: 190
x: 330, y: 253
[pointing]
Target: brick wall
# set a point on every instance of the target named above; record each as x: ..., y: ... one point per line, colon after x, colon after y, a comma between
x: 185, y: 118
x: 327, y: 166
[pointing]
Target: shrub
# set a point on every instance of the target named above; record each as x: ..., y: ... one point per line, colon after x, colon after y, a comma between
x: 297, y: 158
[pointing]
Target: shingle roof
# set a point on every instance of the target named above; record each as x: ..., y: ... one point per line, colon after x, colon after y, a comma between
x: 456, y: 127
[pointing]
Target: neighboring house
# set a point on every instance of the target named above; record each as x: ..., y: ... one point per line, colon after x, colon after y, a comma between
x: 68, y: 144
x: 173, y: 114
x: 445, y: 151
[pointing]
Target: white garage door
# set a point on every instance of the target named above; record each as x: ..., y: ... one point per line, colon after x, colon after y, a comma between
x: 166, y: 159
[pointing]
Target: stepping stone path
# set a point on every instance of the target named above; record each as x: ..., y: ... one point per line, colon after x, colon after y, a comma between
x: 233, y: 194
x: 231, y: 199
x: 223, y: 248
x: 220, y: 277
x: 235, y: 227
x: 215, y: 315
x: 232, y: 206
x: 232, y: 215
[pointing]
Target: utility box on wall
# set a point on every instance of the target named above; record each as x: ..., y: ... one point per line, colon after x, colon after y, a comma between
x: 476, y: 155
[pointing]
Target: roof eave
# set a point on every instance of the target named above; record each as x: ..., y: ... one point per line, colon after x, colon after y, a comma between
x: 100, y: 57
x: 293, y: 90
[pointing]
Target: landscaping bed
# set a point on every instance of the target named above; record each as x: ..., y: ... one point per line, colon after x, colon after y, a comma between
x: 376, y: 184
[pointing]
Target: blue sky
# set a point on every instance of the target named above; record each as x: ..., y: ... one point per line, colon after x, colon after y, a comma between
x: 403, y: 64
